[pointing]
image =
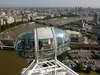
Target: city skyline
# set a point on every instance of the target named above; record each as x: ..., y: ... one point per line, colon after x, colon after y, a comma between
x: 50, y: 3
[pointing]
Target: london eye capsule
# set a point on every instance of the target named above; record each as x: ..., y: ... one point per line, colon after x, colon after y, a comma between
x: 41, y: 40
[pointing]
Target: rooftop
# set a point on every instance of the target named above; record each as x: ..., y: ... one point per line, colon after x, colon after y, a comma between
x: 73, y: 32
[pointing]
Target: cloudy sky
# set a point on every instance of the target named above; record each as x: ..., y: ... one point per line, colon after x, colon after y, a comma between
x: 49, y: 3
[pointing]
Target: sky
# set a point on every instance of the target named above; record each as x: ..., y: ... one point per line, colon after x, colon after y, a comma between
x: 50, y: 3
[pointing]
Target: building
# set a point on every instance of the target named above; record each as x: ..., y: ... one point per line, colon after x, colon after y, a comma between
x: 75, y: 36
x: 9, y: 20
x: 1, y: 22
x: 18, y: 19
x: 25, y: 18
x: 96, y: 18
x: 96, y: 31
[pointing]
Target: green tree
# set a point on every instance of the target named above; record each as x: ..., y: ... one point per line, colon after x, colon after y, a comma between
x: 98, y: 70
x: 7, y: 26
x: 62, y: 56
x: 79, y: 67
x: 89, y: 69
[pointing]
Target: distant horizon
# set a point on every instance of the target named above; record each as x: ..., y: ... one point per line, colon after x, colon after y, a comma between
x: 50, y: 7
x: 50, y: 3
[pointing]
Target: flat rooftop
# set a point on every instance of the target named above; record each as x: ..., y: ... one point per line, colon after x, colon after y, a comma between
x: 73, y: 32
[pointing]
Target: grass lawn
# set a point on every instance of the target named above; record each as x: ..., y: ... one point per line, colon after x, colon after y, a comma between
x: 92, y: 73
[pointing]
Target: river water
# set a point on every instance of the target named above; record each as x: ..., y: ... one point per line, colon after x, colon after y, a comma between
x: 10, y: 63
x: 65, y: 20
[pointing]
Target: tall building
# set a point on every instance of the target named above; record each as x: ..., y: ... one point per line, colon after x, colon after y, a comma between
x: 96, y: 30
x: 1, y: 22
x: 96, y: 18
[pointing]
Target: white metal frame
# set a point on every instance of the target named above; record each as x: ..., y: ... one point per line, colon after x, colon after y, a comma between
x: 53, y: 68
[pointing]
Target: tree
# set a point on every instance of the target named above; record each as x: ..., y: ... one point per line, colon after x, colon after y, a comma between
x: 79, y: 67
x: 89, y: 69
x: 98, y: 70
x: 62, y: 56
x: 6, y: 26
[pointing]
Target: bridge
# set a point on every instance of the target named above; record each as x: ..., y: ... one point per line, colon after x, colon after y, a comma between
x: 45, y: 23
x: 6, y: 44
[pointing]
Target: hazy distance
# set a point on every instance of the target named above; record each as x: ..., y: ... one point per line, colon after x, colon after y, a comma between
x: 50, y: 3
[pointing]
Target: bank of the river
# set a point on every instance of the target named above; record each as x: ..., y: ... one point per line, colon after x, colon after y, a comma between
x: 61, y: 16
x: 8, y: 26
x: 15, y: 31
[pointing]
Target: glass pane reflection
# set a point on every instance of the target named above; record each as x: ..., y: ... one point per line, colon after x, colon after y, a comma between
x: 62, y: 40
x: 25, y: 44
x: 46, y: 48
